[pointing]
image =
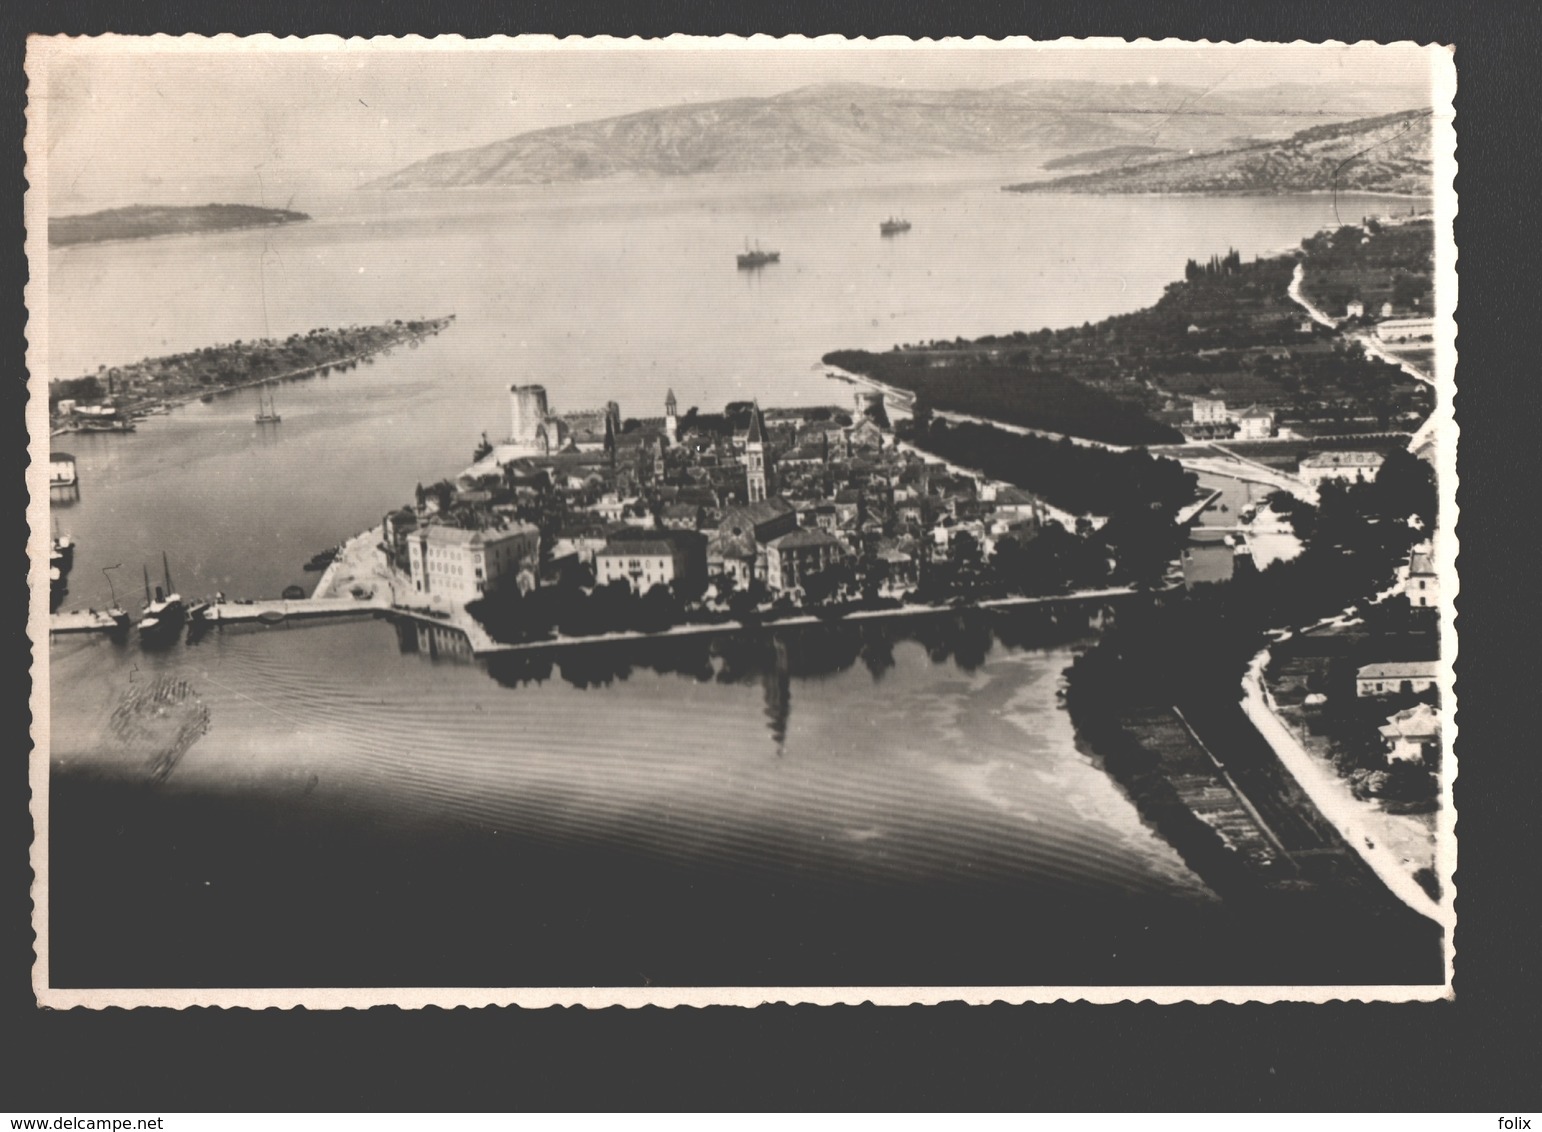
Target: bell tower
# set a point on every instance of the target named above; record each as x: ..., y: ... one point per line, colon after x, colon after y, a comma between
x: 757, y: 461
x: 671, y: 420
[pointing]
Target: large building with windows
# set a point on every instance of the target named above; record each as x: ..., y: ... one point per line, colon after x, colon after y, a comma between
x: 791, y: 558
x: 1351, y: 467
x: 462, y: 566
x: 648, y: 558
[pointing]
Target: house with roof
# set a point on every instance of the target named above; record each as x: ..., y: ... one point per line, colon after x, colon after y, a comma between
x: 1406, y: 330
x: 735, y: 554
x: 792, y: 557
x: 680, y: 516
x: 1422, y: 586
x: 762, y: 520
x: 644, y: 559
x: 1350, y: 467
x: 1209, y: 412
x: 899, y: 565
x: 1254, y: 423
x: 1396, y: 677
x: 462, y: 566
x: 582, y: 540
x: 1412, y: 735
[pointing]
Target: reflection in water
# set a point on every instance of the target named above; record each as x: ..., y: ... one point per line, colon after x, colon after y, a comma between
x: 777, y: 682
x: 365, y: 806
x: 773, y: 657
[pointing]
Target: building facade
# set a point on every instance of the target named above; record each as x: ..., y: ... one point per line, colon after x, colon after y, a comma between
x: 1351, y: 467
x: 1255, y: 424
x: 463, y: 566
x: 1423, y: 585
x: 1406, y: 330
x: 1394, y: 677
x: 791, y: 558
x: 654, y: 558
x: 1206, y: 411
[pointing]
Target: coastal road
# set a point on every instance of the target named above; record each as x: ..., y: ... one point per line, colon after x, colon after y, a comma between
x: 1358, y: 822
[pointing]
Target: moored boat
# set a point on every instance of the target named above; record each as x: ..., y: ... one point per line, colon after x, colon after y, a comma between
x: 267, y: 413
x: 164, y: 614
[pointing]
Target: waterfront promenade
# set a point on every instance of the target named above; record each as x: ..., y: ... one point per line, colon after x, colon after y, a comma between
x: 361, y: 562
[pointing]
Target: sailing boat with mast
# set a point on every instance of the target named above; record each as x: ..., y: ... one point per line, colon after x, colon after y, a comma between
x: 267, y: 412
x: 163, y: 613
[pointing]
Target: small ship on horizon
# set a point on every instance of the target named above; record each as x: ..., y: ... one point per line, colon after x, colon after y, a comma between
x: 752, y: 258
x: 892, y: 226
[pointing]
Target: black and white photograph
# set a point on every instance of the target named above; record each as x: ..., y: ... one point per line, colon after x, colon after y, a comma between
x: 740, y: 520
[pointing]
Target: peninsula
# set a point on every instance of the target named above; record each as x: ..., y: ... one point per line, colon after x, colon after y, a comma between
x: 1228, y: 334
x: 112, y: 396
x: 1386, y: 154
x: 138, y: 221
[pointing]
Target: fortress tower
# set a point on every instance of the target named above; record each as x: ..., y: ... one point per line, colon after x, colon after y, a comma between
x: 527, y: 411
x: 870, y: 406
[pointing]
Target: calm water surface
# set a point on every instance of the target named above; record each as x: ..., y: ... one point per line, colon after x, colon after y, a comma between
x: 352, y: 807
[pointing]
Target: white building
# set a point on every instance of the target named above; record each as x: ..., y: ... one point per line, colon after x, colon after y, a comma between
x: 462, y: 566
x: 1255, y: 424
x: 662, y: 558
x: 1406, y: 330
x: 1354, y: 310
x: 1351, y: 467
x: 1411, y: 735
x: 1422, y: 586
x: 1394, y: 677
x: 1210, y: 412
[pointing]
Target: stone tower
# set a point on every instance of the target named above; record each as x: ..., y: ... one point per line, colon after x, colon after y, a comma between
x: 527, y: 412
x: 671, y: 421
x: 757, y: 461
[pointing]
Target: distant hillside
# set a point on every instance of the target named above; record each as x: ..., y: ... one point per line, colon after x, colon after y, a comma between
x: 1388, y: 154
x: 1104, y: 158
x: 140, y: 220
x: 846, y: 124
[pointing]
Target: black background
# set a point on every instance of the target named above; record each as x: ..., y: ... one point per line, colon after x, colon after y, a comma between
x: 1479, y: 1052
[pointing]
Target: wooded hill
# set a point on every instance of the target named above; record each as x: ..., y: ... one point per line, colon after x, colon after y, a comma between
x: 1388, y: 154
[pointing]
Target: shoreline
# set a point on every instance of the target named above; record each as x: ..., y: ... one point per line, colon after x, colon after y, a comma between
x: 112, y: 240
x: 178, y: 400
x: 1332, y: 799
x: 798, y: 620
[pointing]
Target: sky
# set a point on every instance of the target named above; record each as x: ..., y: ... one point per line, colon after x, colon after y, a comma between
x: 134, y: 119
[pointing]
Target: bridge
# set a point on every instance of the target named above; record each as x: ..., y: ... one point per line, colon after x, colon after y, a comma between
x: 274, y: 610
x: 87, y: 621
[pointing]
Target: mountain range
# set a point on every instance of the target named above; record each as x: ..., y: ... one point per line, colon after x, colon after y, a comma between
x: 849, y: 124
x: 1386, y: 154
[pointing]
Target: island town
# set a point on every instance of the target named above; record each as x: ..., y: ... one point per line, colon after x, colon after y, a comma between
x: 589, y: 525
